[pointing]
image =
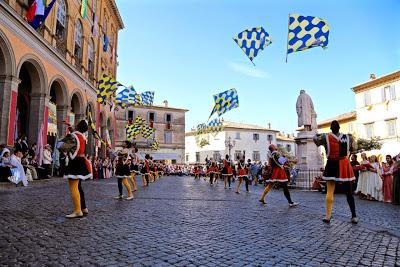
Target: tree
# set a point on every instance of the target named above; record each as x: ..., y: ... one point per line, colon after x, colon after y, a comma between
x: 283, y: 151
x: 369, y: 144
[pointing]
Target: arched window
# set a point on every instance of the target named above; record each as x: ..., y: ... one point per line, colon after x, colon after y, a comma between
x: 91, y: 57
x: 78, y: 42
x: 61, y: 20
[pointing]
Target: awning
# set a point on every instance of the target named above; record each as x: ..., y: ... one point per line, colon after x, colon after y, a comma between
x: 161, y: 156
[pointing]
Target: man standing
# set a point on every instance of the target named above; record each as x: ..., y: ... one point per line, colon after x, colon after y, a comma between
x: 338, y: 167
x: 278, y: 175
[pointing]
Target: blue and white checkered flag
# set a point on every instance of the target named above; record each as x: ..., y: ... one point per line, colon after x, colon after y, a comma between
x: 147, y: 98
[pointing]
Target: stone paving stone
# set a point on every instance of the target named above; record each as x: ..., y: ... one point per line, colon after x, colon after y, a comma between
x: 178, y: 221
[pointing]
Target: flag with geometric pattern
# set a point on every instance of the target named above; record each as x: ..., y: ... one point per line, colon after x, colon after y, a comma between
x: 253, y: 41
x: 128, y: 97
x: 225, y: 101
x: 147, y: 98
x: 215, y: 126
x: 106, y: 89
x: 147, y: 132
x: 306, y: 32
x: 155, y: 146
x: 133, y: 130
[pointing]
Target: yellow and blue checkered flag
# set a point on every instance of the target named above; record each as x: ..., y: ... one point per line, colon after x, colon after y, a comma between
x: 128, y: 97
x: 132, y: 131
x: 155, y: 146
x: 306, y: 32
x: 225, y: 101
x: 252, y: 41
x: 215, y: 126
x: 106, y: 89
x: 147, y: 98
x: 147, y: 132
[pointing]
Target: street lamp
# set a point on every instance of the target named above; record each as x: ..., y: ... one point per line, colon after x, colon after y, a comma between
x: 230, y: 144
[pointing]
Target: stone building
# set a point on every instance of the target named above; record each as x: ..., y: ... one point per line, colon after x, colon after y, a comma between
x: 252, y: 139
x: 56, y: 67
x: 169, y: 125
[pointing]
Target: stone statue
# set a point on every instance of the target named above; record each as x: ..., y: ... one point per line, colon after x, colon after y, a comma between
x: 306, y: 114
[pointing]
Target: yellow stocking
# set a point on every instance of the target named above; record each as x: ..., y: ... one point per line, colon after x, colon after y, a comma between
x: 329, y: 198
x: 266, y: 190
x: 144, y: 180
x: 151, y: 178
x: 132, y: 178
x: 76, y: 197
x: 128, y: 187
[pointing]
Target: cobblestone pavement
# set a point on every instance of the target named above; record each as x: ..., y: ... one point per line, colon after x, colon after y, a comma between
x: 178, y: 221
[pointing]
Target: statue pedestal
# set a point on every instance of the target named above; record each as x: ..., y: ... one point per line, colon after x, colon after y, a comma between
x: 308, y: 155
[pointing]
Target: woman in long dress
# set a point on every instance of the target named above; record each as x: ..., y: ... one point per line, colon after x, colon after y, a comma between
x: 387, y: 174
x: 17, y: 170
x: 362, y: 185
x: 375, y: 184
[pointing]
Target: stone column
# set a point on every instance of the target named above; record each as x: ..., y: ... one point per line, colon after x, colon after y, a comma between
x: 62, y: 115
x: 8, y: 108
x: 36, y: 116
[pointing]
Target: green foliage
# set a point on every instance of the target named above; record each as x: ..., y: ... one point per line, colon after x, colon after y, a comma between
x: 283, y: 151
x: 369, y: 144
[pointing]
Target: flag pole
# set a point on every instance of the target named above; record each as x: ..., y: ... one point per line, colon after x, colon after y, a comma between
x: 287, y: 43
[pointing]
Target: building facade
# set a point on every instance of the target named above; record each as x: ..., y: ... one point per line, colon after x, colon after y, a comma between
x: 50, y: 75
x: 378, y: 110
x: 347, y: 121
x: 169, y: 125
x: 250, y: 139
x: 287, y: 142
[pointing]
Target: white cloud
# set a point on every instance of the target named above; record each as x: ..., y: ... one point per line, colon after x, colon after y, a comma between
x: 248, y: 70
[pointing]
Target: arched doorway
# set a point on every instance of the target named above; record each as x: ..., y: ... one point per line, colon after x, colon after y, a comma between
x: 8, y: 90
x: 77, y: 108
x: 58, y: 110
x: 31, y: 101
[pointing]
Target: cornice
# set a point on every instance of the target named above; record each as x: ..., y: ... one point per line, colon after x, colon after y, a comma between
x: 117, y: 14
x: 392, y: 77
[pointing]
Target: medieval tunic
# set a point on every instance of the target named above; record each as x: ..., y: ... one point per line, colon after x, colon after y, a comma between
x: 78, y: 166
x: 227, y: 170
x: 146, y: 167
x: 338, y: 167
x: 122, y: 169
x: 277, y: 163
x: 242, y: 170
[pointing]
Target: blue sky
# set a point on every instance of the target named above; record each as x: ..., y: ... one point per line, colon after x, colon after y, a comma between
x: 183, y: 50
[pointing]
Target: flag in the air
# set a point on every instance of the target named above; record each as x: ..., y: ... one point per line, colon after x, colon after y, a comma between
x: 225, y: 101
x: 253, y: 41
x: 36, y: 9
x: 133, y: 130
x: 155, y: 145
x: 106, y: 89
x: 40, y: 19
x: 306, y: 32
x: 84, y: 8
x: 128, y: 97
x: 215, y: 126
x: 147, y: 98
x: 147, y: 132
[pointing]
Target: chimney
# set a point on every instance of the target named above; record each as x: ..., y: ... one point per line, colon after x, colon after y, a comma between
x: 269, y: 126
x: 165, y: 103
x: 372, y: 77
